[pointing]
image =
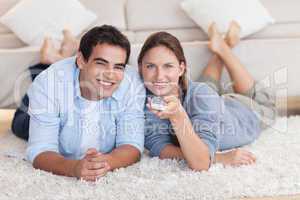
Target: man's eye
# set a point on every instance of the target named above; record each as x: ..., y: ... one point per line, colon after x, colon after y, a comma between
x: 100, y: 63
x: 120, y: 68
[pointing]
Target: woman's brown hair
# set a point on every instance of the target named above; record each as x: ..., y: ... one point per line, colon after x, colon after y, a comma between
x: 172, y: 43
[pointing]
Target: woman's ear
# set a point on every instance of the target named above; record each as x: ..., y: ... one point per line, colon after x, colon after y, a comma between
x: 80, y: 60
x: 140, y: 68
x: 182, y: 67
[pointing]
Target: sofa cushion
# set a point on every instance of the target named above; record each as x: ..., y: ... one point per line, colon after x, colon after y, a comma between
x: 32, y: 20
x: 184, y: 34
x: 5, y: 6
x: 9, y: 41
x: 280, y: 30
x: 286, y: 30
x: 110, y: 12
x: 156, y: 14
x: 251, y: 15
x: 283, y: 11
x: 102, y: 8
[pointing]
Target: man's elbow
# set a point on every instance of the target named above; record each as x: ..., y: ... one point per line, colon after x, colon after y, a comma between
x: 132, y: 152
x: 36, y: 163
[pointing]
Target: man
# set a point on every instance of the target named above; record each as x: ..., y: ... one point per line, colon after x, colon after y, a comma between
x: 86, y: 112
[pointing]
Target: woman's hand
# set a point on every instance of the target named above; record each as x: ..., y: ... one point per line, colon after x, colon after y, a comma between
x: 173, y: 109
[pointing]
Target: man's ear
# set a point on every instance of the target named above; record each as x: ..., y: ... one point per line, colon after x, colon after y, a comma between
x: 80, y: 60
x: 140, y: 69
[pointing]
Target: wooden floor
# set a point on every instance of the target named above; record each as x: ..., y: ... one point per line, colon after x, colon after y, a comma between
x: 5, y: 122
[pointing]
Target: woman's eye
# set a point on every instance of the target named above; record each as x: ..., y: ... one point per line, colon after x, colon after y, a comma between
x: 168, y: 66
x: 150, y: 66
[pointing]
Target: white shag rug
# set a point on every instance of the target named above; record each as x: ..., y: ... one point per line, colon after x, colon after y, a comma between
x: 277, y: 172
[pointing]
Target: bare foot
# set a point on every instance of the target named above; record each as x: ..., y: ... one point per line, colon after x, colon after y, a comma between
x: 216, y: 43
x: 69, y: 44
x: 235, y: 158
x: 49, y: 54
x: 233, y: 35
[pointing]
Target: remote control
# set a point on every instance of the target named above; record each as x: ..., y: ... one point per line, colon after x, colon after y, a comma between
x: 157, y: 103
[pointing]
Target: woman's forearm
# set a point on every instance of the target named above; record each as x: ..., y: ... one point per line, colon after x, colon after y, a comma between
x: 194, y: 150
x: 171, y: 151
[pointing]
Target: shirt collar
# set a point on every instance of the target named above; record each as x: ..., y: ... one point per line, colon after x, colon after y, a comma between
x: 76, y: 82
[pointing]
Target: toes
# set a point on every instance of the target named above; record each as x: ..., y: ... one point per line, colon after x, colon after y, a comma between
x: 212, y: 29
x: 243, y: 157
x: 235, y: 25
x: 233, y: 34
x: 66, y: 32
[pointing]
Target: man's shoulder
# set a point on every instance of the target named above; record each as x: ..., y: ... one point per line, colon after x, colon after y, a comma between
x: 60, y: 71
x: 132, y: 73
x: 131, y: 78
x: 131, y: 85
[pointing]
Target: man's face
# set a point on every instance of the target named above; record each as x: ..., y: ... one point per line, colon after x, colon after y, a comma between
x: 101, y: 75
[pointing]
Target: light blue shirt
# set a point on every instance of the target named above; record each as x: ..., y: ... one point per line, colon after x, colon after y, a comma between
x: 61, y: 120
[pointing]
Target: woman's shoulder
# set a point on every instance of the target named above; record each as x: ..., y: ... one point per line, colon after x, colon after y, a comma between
x: 200, y: 97
x: 200, y: 88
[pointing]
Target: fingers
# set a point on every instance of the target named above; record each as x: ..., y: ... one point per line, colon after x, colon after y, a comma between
x: 95, y: 165
x: 91, y: 151
x: 173, y: 105
x: 156, y: 112
x: 97, y: 158
x: 95, y: 172
x: 169, y: 99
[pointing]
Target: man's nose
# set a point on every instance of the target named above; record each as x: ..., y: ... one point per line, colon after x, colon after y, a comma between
x: 109, y: 73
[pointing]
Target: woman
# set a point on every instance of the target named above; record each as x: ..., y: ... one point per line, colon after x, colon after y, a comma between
x: 198, y: 119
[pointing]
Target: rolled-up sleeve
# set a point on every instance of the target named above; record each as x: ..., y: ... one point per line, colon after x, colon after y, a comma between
x: 157, y: 134
x: 131, y: 120
x: 44, y: 118
x: 205, y: 108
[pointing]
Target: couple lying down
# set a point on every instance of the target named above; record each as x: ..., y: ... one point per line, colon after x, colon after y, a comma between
x: 86, y: 115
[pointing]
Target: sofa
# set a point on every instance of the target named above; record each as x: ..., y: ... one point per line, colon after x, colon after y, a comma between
x: 271, y: 55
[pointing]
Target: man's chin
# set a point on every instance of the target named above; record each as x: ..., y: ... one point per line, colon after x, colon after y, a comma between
x: 106, y: 93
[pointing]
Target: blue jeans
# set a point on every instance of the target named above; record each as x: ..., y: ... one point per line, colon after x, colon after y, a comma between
x: 20, y: 123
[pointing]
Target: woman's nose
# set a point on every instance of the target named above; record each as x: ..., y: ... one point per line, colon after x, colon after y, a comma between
x: 159, y: 74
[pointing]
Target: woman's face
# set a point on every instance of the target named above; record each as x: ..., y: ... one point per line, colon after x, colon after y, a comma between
x: 161, y: 71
